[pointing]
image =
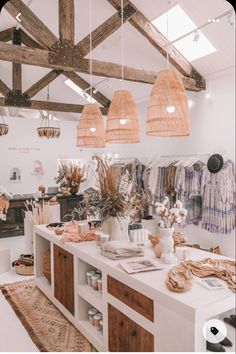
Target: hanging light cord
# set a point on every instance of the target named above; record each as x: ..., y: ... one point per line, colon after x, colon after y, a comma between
x: 90, y: 52
x: 167, y: 35
x: 122, y: 43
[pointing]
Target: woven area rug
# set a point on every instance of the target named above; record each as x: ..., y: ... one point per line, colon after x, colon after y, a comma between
x: 47, y: 327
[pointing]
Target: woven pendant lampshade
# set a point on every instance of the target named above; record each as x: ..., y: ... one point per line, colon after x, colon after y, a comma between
x: 168, y: 113
x: 123, y: 119
x: 90, y: 129
x: 4, y: 128
x: 49, y: 127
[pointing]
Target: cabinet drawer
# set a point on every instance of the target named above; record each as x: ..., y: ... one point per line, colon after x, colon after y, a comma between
x: 132, y: 298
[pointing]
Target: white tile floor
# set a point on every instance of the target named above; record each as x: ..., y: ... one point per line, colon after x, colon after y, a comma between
x: 13, y: 336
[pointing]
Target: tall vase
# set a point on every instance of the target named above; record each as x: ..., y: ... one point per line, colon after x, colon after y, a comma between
x: 28, y: 232
x: 117, y: 228
x: 164, y: 249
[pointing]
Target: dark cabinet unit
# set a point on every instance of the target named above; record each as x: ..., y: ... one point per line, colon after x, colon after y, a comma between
x: 64, y: 278
x: 14, y: 224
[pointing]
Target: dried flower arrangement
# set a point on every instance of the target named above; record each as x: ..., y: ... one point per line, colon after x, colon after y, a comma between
x: 40, y: 213
x: 169, y: 217
x: 111, y: 200
x: 70, y: 176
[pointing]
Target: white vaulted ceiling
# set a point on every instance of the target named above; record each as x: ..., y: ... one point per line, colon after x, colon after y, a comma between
x: 139, y: 53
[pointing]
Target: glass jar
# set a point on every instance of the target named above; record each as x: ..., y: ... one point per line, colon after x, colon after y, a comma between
x: 99, y: 284
x: 91, y: 314
x: 97, y: 318
x: 89, y: 275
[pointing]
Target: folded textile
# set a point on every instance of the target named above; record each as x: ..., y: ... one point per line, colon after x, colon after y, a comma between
x: 180, y: 277
x: 120, y: 247
x: 121, y: 256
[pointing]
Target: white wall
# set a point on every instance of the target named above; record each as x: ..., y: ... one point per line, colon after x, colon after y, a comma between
x: 212, y: 131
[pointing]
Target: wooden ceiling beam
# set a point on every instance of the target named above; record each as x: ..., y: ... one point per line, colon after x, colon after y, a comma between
x: 98, y: 96
x: 67, y: 20
x: 16, y: 67
x: 6, y: 35
x: 104, y: 31
x: 52, y: 106
x: 28, y: 40
x: 161, y: 43
x: 39, y: 57
x: 31, y: 23
x: 43, y: 82
x: 4, y: 89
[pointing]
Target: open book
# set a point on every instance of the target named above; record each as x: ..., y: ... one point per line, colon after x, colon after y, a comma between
x: 140, y: 265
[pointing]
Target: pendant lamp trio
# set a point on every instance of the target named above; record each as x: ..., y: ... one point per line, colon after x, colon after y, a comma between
x: 168, y: 113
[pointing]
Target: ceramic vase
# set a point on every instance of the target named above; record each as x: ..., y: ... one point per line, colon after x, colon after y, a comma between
x: 117, y: 228
x: 164, y: 249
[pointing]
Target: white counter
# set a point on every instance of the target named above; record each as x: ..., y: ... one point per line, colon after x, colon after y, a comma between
x: 178, y: 317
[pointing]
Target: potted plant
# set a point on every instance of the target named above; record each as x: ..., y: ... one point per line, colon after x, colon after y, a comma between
x: 69, y: 177
x: 167, y: 219
x: 115, y: 203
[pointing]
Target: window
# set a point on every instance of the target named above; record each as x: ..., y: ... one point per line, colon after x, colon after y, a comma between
x: 194, y: 46
x: 78, y: 90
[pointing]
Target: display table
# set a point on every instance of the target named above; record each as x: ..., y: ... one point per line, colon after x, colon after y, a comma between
x: 139, y: 312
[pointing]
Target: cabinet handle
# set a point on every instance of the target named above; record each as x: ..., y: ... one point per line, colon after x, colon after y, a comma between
x: 126, y: 294
x: 133, y: 333
x: 121, y: 323
x: 65, y: 257
x: 59, y: 254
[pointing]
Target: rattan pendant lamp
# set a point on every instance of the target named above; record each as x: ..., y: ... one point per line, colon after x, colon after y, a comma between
x: 168, y: 112
x: 49, y: 127
x: 123, y: 118
x: 91, y: 128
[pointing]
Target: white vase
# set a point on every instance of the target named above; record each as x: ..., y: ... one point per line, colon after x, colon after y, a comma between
x: 28, y: 232
x: 164, y: 249
x: 117, y: 228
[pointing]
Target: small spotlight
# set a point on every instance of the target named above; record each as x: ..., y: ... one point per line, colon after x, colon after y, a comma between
x: 208, y: 95
x: 196, y: 36
x: 95, y: 91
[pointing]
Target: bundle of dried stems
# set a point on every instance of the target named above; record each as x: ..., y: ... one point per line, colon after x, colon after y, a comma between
x: 40, y: 213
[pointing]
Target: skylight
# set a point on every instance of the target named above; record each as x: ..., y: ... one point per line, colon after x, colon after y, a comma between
x: 78, y: 90
x: 179, y: 23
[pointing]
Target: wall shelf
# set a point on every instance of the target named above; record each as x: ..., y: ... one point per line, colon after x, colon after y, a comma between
x: 92, y: 296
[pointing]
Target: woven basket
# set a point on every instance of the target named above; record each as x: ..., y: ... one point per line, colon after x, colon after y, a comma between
x: 47, y: 265
x: 24, y: 270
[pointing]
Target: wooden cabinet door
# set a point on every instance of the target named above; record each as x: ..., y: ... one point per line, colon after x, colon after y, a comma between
x: 125, y: 335
x: 117, y: 327
x: 64, y: 278
x: 139, y: 340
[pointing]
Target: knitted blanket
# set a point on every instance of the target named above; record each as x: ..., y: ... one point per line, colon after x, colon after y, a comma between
x: 180, y: 277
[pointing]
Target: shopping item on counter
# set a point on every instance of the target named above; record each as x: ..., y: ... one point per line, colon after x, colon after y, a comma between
x: 74, y: 233
x: 180, y: 278
x: 138, y: 236
x: 119, y: 250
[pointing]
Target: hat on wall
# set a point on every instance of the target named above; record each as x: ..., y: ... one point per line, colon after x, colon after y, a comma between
x: 215, y: 163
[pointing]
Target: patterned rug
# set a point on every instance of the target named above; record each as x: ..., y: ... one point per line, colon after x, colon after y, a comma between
x: 47, y: 327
